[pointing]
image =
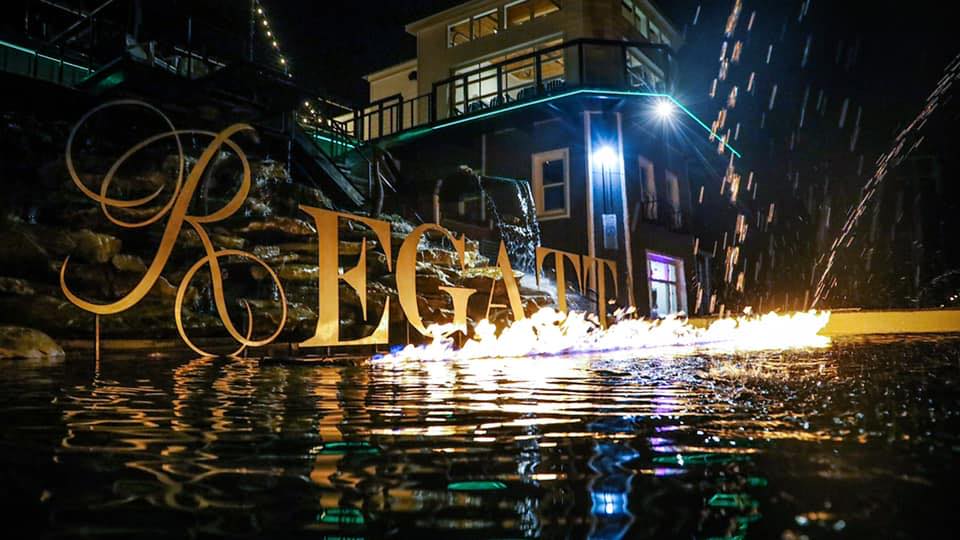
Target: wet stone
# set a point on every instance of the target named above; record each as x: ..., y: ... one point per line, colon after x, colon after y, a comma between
x: 20, y: 342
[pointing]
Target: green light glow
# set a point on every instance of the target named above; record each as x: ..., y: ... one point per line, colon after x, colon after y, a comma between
x: 349, y: 447
x: 334, y: 141
x: 731, y: 500
x: 476, y: 485
x: 32, y: 52
x: 342, y: 516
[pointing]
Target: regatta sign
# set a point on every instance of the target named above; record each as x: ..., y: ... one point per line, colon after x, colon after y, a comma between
x: 175, y: 216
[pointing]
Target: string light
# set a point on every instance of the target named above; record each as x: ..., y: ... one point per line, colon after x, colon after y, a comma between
x: 310, y: 112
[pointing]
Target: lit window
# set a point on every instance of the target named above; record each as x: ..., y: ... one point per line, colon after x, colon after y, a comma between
x: 545, y: 7
x: 551, y: 180
x: 523, y: 11
x: 516, y: 76
x: 458, y: 33
x: 477, y: 26
x: 517, y: 13
x: 486, y: 24
x: 667, y: 289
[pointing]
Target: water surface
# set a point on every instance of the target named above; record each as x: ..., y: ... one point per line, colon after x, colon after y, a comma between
x: 857, y: 440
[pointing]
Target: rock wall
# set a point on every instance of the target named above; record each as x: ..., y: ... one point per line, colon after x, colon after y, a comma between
x: 44, y: 219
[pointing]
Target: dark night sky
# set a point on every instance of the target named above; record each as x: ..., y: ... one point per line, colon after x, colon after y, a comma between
x: 905, y: 46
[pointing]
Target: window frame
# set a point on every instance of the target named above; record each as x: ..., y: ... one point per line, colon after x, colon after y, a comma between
x: 648, y: 188
x: 536, y: 178
x: 475, y: 19
x: 469, y: 22
x: 675, y: 199
x: 506, y: 19
x: 679, y: 283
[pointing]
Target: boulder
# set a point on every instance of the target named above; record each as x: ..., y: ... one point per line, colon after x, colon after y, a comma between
x: 20, y: 342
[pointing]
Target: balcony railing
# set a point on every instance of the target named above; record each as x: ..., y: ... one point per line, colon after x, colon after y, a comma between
x: 583, y: 63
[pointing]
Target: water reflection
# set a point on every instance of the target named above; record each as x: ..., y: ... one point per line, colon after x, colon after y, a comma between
x: 689, y: 446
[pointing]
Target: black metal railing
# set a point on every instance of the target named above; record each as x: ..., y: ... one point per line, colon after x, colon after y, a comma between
x: 583, y: 63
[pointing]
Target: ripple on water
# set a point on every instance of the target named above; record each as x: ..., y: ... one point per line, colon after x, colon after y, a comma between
x: 859, y: 438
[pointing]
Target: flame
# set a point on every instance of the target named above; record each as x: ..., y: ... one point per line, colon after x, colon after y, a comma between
x: 549, y: 332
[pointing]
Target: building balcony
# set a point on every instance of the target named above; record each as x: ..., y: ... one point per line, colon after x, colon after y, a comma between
x: 520, y: 79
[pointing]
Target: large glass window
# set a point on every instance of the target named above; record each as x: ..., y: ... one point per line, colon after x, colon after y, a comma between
x: 551, y: 183
x: 521, y: 12
x: 478, y: 26
x: 480, y: 87
x: 665, y: 280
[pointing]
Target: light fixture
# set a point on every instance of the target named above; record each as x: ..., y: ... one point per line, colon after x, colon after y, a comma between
x: 606, y: 156
x: 663, y: 109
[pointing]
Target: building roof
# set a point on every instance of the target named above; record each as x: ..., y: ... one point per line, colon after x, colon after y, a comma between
x: 391, y: 70
x: 461, y: 10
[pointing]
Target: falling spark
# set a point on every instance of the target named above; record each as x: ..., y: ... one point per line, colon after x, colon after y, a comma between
x: 891, y: 158
x: 733, y: 18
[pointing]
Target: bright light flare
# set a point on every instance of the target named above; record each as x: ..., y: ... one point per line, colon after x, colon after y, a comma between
x: 664, y: 109
x: 606, y: 156
x: 549, y: 333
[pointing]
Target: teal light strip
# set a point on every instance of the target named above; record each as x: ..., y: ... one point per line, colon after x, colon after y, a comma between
x: 332, y: 141
x: 595, y: 91
x: 32, y: 52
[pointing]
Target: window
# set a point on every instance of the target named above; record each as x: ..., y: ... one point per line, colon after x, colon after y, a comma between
x: 649, y: 187
x: 551, y: 181
x: 524, y: 11
x: 675, y: 219
x: 640, y: 21
x: 665, y: 280
x: 642, y: 72
x: 477, y: 26
x: 458, y: 33
x: 486, y: 24
x: 517, y: 13
x: 515, y: 76
x: 635, y: 15
x: 544, y: 7
x: 654, y: 32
